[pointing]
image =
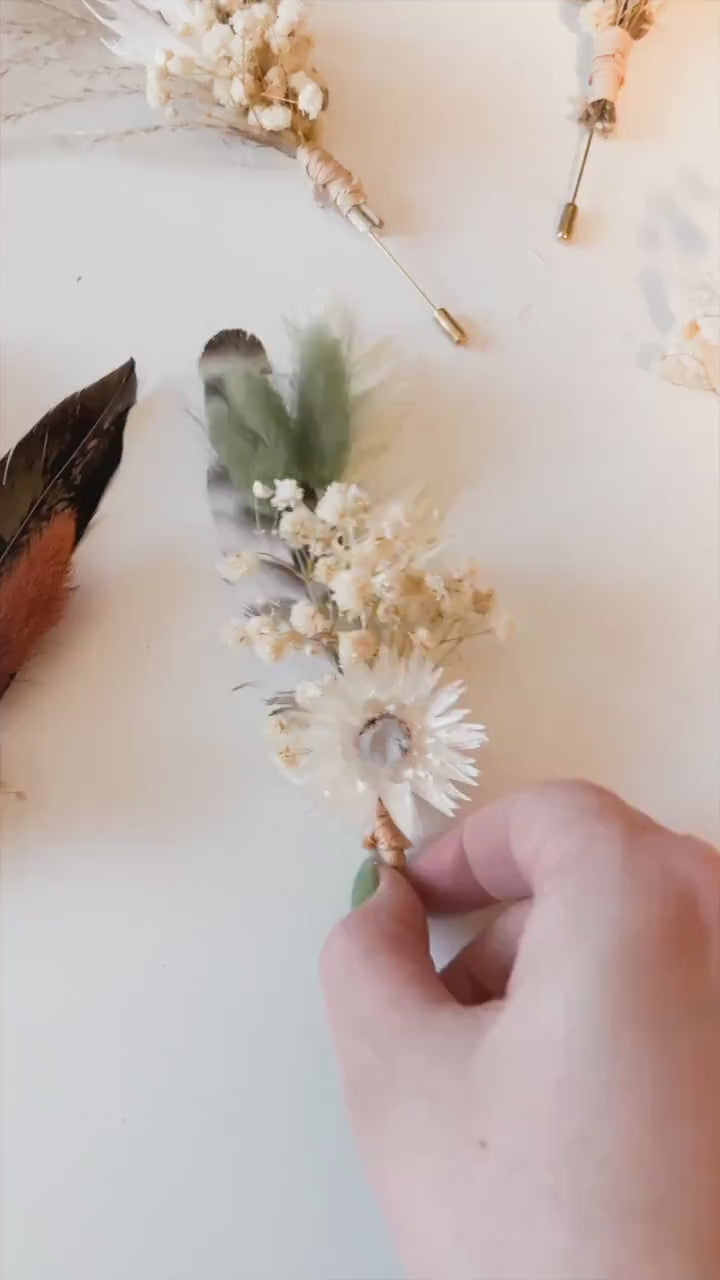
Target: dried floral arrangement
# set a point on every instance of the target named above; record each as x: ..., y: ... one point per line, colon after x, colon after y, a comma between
x: 51, y: 483
x: 693, y: 359
x: 365, y: 592
x: 615, y: 26
x: 245, y: 66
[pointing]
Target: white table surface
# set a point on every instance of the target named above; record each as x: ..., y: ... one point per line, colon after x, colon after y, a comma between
x: 170, y: 1108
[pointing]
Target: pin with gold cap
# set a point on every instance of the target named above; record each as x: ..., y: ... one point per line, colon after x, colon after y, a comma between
x: 336, y: 185
x: 616, y: 25
x: 442, y: 317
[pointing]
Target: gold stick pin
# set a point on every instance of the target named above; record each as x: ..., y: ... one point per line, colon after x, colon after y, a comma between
x: 366, y: 221
x: 566, y: 225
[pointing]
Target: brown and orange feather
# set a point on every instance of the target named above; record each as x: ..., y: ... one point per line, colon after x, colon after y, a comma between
x: 50, y: 486
x: 32, y: 593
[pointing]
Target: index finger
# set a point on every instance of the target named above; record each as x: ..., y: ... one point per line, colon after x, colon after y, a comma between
x: 508, y: 849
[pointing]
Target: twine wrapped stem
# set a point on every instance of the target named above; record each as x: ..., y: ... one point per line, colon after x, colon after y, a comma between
x: 386, y: 841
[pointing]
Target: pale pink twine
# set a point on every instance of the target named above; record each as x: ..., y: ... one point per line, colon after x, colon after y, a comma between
x: 607, y: 75
x: 336, y: 185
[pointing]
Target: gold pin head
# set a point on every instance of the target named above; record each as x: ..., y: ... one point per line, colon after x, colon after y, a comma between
x: 450, y: 326
x: 566, y: 225
x: 367, y: 221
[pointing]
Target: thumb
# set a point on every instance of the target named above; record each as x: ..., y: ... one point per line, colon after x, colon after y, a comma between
x: 377, y: 971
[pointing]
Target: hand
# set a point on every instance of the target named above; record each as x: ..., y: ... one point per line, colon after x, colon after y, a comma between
x: 549, y: 1105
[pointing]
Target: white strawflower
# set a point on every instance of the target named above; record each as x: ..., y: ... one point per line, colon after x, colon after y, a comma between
x: 237, y: 564
x: 310, y: 97
x: 273, y: 118
x: 356, y: 646
x: 261, y: 491
x: 391, y: 732
x: 341, y: 503
x: 234, y: 633
x: 307, y: 619
x: 287, y: 494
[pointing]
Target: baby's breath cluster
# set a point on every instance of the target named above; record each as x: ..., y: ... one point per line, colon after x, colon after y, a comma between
x: 634, y: 15
x: 381, y: 733
x: 251, y: 58
x: 371, y: 582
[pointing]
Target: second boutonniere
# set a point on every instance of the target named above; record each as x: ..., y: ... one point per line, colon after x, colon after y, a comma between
x: 364, y: 590
x: 615, y: 26
x: 245, y: 66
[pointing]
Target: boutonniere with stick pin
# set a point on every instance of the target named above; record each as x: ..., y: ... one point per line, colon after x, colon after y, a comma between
x: 363, y: 589
x: 615, y: 25
x: 244, y: 66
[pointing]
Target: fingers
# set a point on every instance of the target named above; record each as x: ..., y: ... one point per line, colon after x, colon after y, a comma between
x: 508, y: 850
x: 378, y: 975
x: 480, y: 972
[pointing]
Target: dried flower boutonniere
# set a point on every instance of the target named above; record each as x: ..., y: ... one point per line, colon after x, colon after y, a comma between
x: 245, y: 66
x: 365, y: 592
x: 615, y: 26
x: 693, y: 359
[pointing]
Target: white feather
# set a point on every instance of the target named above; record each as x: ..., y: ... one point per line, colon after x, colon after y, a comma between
x: 141, y: 27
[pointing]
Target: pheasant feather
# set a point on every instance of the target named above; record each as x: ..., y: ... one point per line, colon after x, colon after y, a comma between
x: 260, y: 435
x: 50, y: 485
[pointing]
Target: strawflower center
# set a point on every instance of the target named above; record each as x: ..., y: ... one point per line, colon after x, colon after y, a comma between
x: 384, y: 741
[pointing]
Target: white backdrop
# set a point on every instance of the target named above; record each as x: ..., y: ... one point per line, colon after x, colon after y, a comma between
x: 170, y: 1109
